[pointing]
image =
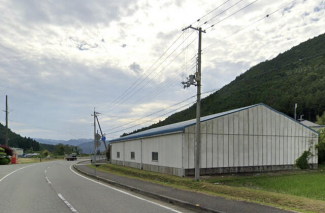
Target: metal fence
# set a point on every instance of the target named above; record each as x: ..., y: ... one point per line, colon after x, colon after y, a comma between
x: 99, y: 159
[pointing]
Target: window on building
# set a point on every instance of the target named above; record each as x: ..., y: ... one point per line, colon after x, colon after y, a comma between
x: 154, y: 156
x: 118, y: 154
x: 132, y: 155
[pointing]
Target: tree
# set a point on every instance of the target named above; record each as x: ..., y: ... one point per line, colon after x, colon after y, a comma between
x: 45, y: 153
x: 321, y: 146
x: 7, y: 150
x: 59, y: 149
x: 320, y: 119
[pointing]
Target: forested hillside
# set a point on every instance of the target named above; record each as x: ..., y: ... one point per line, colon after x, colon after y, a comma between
x: 18, y: 141
x: 295, y: 76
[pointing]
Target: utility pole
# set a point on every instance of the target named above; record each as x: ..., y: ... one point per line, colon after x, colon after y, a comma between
x: 101, y: 132
x: 7, y: 137
x: 295, y: 111
x: 95, y: 114
x: 197, y: 79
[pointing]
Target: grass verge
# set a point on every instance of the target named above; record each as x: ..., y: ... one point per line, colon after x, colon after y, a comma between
x: 235, y: 190
x: 34, y: 160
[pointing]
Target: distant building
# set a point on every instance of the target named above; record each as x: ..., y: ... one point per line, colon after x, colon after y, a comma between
x: 31, y: 155
x: 312, y: 125
x: 18, y: 151
x: 250, y: 139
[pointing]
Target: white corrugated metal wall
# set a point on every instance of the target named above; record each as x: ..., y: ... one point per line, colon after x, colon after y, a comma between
x: 257, y: 136
x: 168, y: 146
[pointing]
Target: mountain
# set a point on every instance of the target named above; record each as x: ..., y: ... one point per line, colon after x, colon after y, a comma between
x: 16, y: 140
x: 73, y: 142
x: 88, y: 147
x: 295, y: 76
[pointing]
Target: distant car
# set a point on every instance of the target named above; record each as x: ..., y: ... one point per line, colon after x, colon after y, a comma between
x: 72, y: 157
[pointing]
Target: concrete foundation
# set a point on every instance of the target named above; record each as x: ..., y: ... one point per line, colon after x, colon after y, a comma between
x: 153, y: 168
x: 245, y: 169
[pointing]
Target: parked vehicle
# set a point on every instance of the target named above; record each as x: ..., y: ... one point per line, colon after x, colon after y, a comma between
x: 72, y: 157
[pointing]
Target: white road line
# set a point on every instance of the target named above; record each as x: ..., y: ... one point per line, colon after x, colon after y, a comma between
x: 67, y: 203
x: 140, y: 198
x: 48, y: 180
x: 45, y: 171
x: 22, y: 168
x: 16, y: 171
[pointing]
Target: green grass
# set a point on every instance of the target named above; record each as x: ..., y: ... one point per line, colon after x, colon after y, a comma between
x: 236, y: 187
x: 34, y: 160
x: 310, y: 185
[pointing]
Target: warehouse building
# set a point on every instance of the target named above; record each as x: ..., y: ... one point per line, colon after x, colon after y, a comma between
x: 248, y: 139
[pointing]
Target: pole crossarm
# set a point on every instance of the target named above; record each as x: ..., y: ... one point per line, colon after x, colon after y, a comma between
x: 194, y: 28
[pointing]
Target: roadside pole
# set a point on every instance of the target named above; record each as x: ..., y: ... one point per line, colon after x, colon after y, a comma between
x: 94, y: 162
x: 196, y: 81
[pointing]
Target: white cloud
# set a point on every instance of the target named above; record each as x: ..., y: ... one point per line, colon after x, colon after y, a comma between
x: 60, y: 60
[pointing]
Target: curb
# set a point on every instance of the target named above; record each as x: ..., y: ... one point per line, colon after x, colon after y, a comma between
x: 176, y: 202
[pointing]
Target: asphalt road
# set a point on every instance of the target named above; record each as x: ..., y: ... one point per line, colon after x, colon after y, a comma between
x: 55, y: 187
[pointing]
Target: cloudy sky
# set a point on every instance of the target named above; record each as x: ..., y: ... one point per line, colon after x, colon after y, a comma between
x: 60, y: 59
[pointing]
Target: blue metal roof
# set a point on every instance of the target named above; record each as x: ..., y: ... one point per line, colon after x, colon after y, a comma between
x: 178, y: 127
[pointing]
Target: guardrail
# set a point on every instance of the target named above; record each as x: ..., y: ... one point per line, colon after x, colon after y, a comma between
x: 99, y: 158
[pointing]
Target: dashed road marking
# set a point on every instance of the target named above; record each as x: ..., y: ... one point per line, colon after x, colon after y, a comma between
x: 67, y: 203
x: 48, y: 180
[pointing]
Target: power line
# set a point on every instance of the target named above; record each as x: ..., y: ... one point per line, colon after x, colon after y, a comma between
x: 154, y: 113
x: 232, y: 14
x: 145, y: 71
x: 125, y: 96
x: 160, y: 88
x: 211, y: 11
x: 217, y: 42
x: 161, y: 115
x: 128, y: 92
x: 268, y: 15
x: 154, y: 76
x: 163, y: 109
x: 152, y: 119
x: 221, y: 12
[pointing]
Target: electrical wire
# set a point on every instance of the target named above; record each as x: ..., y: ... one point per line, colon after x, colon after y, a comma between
x: 241, y: 28
x: 127, y: 93
x: 221, y: 12
x: 154, y: 113
x: 268, y: 15
x: 154, y: 76
x: 162, y: 110
x: 213, y: 26
x: 151, y: 119
x: 146, y: 71
x: 210, y: 12
x: 232, y: 14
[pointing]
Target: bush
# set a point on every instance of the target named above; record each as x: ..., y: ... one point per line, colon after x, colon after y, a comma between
x: 321, y: 146
x: 2, y: 153
x: 4, y: 161
x: 302, y: 161
x: 7, y: 150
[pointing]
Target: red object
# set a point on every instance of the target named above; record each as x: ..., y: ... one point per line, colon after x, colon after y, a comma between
x: 14, y: 159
